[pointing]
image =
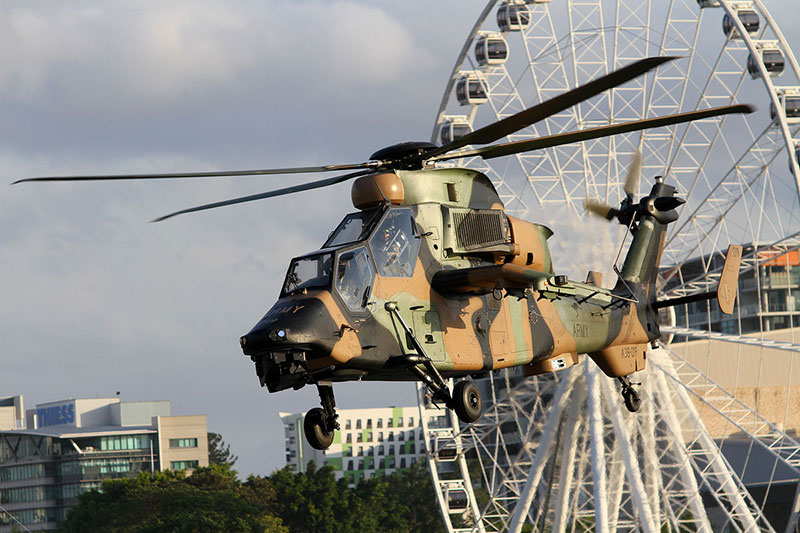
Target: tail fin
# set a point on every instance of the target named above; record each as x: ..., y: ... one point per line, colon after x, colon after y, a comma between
x: 648, y: 221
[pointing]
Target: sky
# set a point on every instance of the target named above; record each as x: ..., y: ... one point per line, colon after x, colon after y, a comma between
x: 94, y: 298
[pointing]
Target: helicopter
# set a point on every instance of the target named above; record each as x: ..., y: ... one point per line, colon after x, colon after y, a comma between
x: 432, y: 279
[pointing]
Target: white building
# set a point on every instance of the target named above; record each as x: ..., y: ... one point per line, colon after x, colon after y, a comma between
x: 371, y: 442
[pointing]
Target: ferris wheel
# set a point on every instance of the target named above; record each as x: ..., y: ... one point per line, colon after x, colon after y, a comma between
x: 557, y: 452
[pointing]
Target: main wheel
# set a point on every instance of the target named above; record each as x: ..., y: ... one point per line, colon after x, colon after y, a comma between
x: 467, y: 401
x: 315, y: 429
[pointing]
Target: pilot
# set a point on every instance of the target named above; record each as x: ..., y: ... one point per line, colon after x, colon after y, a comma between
x: 395, y: 244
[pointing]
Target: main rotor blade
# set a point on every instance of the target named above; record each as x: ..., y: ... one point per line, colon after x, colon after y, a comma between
x: 499, y: 150
x: 498, y: 130
x: 269, y: 194
x: 219, y: 174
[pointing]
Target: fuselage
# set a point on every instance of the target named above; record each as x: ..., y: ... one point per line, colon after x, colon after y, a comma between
x: 331, y: 320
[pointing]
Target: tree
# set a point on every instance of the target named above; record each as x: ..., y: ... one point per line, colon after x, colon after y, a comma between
x: 219, y: 453
x: 211, y: 500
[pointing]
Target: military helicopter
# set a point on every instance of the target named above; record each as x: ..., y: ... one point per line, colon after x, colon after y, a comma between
x: 431, y: 279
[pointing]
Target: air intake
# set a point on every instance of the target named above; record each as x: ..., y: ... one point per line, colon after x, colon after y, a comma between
x: 477, y: 229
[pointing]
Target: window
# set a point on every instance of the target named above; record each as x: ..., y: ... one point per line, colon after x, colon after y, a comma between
x: 354, y: 276
x: 349, y: 437
x: 391, y: 450
x: 312, y: 272
x: 354, y: 227
x: 361, y: 464
x: 369, y: 436
x: 380, y: 422
x: 182, y: 465
x: 380, y: 450
x: 400, y: 422
x: 350, y: 465
x: 401, y: 435
x: 183, y: 443
x: 390, y: 423
x: 395, y: 245
x: 391, y: 462
x: 369, y: 423
x: 347, y: 424
x: 411, y: 435
x: 410, y: 421
x: 360, y: 437
x: 349, y: 452
x: 126, y: 442
x: 413, y: 448
x: 403, y: 462
x: 382, y: 463
x: 380, y: 435
x: 358, y: 424
x: 391, y: 436
x: 360, y: 450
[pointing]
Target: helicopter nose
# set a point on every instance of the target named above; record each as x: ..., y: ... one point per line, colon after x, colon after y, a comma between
x: 297, y: 324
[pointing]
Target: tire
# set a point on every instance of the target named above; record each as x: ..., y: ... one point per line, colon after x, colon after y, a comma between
x: 314, y: 427
x: 467, y: 401
x: 633, y: 402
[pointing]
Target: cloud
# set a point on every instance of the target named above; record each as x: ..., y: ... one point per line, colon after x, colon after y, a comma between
x: 99, y: 60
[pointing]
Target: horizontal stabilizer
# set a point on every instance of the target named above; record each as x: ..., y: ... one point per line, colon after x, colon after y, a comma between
x: 726, y: 289
x: 729, y: 280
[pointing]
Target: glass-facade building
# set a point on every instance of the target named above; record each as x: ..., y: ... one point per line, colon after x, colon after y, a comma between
x: 69, y: 447
x: 768, y: 300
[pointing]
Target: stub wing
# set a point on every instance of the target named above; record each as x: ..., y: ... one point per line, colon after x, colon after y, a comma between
x: 485, y: 279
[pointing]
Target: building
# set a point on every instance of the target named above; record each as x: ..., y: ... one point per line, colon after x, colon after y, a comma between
x: 372, y: 442
x: 67, y: 447
x: 768, y: 294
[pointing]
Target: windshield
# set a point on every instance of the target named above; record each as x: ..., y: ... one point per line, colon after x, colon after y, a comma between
x: 354, y: 227
x: 307, y: 273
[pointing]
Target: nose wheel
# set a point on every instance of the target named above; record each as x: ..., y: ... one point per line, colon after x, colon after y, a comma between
x: 630, y: 396
x: 320, y: 424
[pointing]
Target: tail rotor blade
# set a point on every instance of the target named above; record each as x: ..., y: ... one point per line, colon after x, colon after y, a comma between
x: 600, y: 209
x: 634, y: 174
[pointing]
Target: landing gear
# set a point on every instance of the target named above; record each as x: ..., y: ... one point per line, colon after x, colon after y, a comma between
x: 467, y: 401
x: 320, y: 424
x: 633, y: 402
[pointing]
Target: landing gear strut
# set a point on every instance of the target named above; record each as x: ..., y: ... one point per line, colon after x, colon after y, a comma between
x: 466, y: 397
x: 633, y: 402
x: 320, y: 424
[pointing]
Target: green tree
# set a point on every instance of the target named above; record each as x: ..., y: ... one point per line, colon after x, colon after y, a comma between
x: 219, y: 453
x: 211, y: 500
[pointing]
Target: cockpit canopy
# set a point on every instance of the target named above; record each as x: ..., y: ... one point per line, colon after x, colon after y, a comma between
x: 382, y: 242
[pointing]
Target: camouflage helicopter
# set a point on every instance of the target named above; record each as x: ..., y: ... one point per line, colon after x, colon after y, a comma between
x: 431, y: 279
